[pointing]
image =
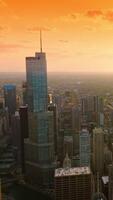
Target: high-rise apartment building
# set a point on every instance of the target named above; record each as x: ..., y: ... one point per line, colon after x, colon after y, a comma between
x: 91, y: 104
x: 98, y: 150
x: 85, y: 148
x: 53, y: 108
x: 92, y: 110
x: 24, y: 132
x: 73, y: 183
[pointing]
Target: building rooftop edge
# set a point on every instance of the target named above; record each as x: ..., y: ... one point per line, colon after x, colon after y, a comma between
x: 72, y: 171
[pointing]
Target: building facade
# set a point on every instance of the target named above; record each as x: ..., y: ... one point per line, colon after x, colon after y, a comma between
x: 10, y: 97
x: 98, y: 150
x: 85, y: 148
x: 73, y: 183
x: 39, y: 148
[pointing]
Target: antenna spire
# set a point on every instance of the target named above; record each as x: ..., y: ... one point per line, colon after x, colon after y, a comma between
x: 40, y: 40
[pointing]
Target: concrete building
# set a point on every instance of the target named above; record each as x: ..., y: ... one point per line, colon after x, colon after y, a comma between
x: 76, y: 119
x: 53, y: 108
x: 91, y: 104
x: 98, y: 150
x: 68, y: 146
x: 110, y: 184
x: 16, y: 135
x: 10, y: 97
x: 73, y: 183
x: 24, y: 132
x: 92, y: 110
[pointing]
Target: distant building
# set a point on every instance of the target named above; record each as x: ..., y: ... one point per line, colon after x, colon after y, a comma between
x: 73, y: 183
x: 24, y: 132
x: 76, y: 119
x: 110, y: 193
x: 10, y: 97
x: 53, y: 108
x: 67, y: 162
x: 85, y: 148
x: 24, y: 94
x: 76, y: 146
x: 92, y: 104
x: 66, y: 119
x: 68, y: 145
x: 23, y: 111
x: 16, y: 135
x: 92, y: 110
x: 98, y: 150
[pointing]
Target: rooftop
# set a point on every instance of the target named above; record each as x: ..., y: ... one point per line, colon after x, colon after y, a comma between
x: 105, y: 179
x: 9, y: 86
x: 72, y: 171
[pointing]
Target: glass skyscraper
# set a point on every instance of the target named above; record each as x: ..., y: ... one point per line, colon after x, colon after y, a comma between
x: 85, y: 150
x: 39, y: 148
x: 36, y: 69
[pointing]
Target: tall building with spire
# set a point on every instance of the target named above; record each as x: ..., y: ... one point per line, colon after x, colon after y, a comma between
x: 36, y: 69
x: 39, y: 148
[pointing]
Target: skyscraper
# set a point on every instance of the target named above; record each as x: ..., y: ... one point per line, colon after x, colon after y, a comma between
x: 24, y: 132
x: 73, y: 183
x: 85, y: 149
x: 92, y: 110
x: 39, y: 148
x: 98, y: 150
x: 36, y: 68
x: 10, y: 97
x: 53, y: 108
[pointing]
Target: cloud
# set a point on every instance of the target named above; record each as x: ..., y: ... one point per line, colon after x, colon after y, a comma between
x: 37, y: 28
x: 10, y: 47
x: 89, y: 28
x: 3, y: 3
x: 94, y: 13
x: 56, y: 54
x: 63, y: 41
x: 73, y: 16
x: 68, y: 18
x: 109, y: 16
x: 2, y: 28
x: 3, y: 31
x: 105, y: 15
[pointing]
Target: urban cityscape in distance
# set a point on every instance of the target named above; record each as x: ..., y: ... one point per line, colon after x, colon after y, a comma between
x: 56, y: 110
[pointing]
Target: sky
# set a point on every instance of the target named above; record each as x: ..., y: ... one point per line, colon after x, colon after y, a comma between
x: 77, y: 34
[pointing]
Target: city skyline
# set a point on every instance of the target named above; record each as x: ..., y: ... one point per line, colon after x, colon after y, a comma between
x: 77, y: 35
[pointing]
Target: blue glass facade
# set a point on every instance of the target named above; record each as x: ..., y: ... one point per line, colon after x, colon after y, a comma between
x: 40, y: 121
x: 39, y: 149
x: 36, y: 68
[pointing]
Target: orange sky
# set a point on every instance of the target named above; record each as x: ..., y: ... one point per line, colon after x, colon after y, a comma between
x: 77, y: 34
